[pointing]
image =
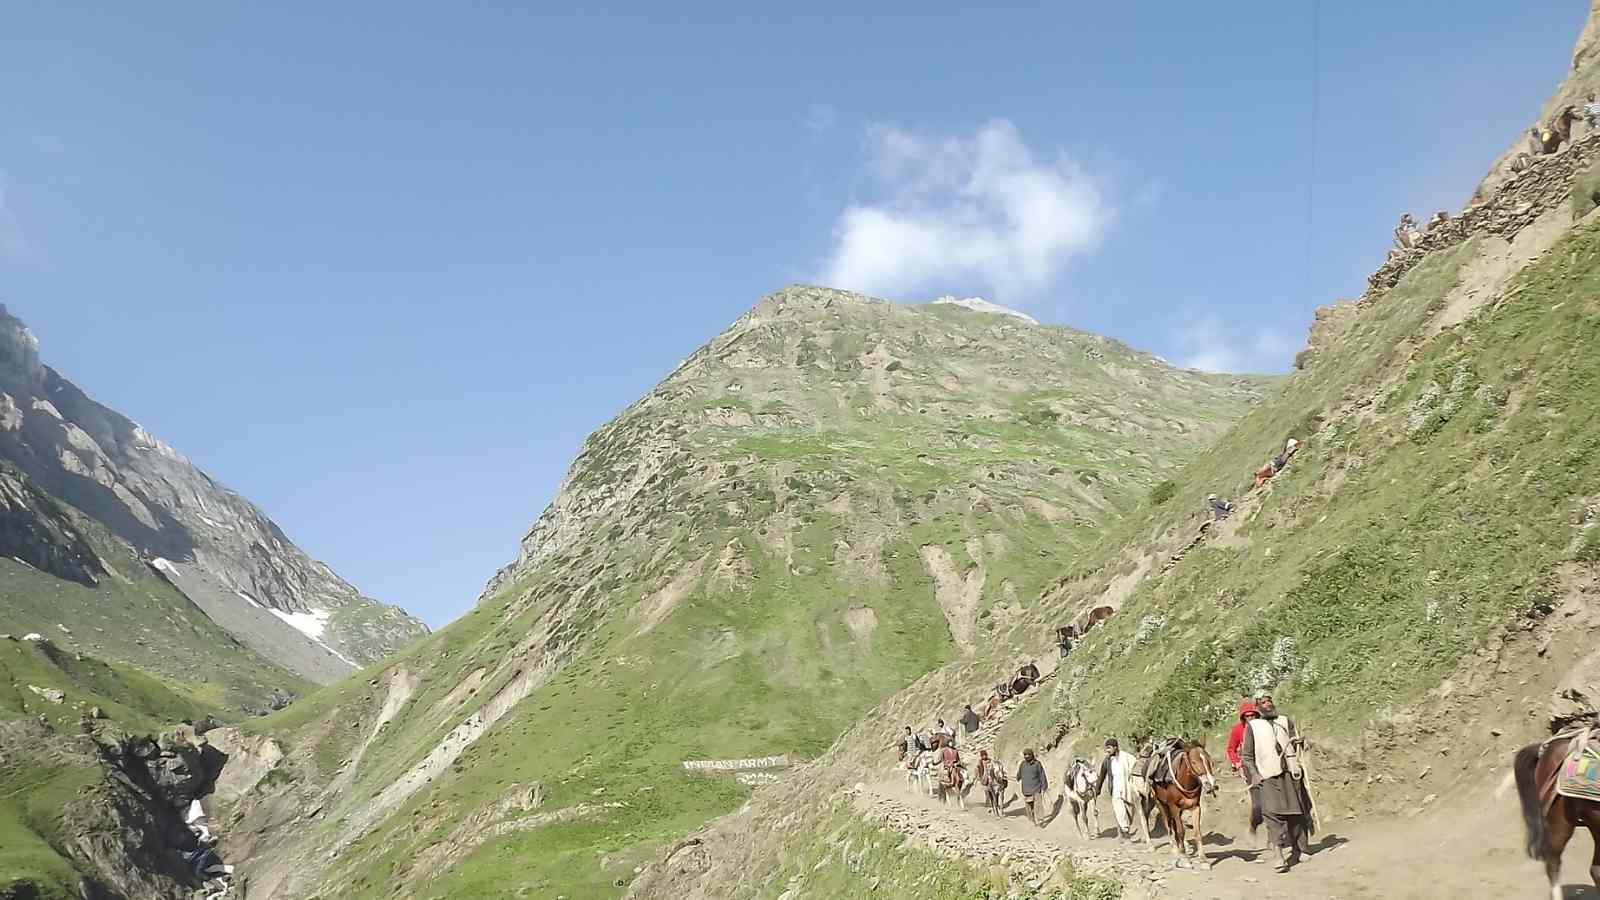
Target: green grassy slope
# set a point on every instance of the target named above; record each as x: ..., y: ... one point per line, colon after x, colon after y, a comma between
x: 1413, y: 526
x: 1448, y: 481
x: 743, y: 563
x: 136, y: 619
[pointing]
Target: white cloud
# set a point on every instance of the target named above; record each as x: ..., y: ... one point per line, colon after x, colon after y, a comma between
x: 974, y: 212
x: 12, y: 242
x: 820, y: 119
x: 1212, y: 346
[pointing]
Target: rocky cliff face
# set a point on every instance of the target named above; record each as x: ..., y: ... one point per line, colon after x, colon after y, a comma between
x: 216, y: 546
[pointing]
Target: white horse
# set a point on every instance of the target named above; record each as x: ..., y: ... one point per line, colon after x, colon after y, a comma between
x: 919, y: 772
x: 1079, y: 794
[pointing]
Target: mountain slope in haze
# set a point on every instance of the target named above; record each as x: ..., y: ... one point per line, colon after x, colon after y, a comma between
x: 1417, y: 588
x: 828, y: 500
x: 205, y: 541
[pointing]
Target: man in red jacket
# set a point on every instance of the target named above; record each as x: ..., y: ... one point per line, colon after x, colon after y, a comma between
x: 1247, y: 711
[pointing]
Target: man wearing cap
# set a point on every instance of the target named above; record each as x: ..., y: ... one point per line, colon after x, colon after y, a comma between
x: 1118, y: 768
x: 1270, y: 756
x: 1220, y: 509
x: 1032, y: 780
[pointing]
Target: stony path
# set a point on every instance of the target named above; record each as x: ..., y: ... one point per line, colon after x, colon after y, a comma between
x: 1470, y: 849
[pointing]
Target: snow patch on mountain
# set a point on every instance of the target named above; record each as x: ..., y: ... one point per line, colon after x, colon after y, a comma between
x: 978, y: 304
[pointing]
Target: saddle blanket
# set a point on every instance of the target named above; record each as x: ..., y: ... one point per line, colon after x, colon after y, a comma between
x: 1579, y: 776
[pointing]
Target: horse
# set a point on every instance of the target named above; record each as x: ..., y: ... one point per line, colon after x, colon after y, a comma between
x: 1079, y: 792
x: 994, y: 788
x: 1550, y: 818
x: 952, y: 780
x: 1265, y: 473
x: 1558, y: 132
x: 1096, y: 616
x: 1192, y: 776
x: 919, y: 771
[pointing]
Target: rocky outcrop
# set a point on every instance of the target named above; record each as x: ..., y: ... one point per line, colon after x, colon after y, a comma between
x: 122, y: 830
x: 1515, y: 204
x: 145, y: 493
x: 36, y: 530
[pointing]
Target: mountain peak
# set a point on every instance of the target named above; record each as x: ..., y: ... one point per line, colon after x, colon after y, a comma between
x: 978, y: 304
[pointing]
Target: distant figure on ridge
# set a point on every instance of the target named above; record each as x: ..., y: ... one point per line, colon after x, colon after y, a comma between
x: 1406, y: 234
x: 1591, y: 111
x: 1220, y: 509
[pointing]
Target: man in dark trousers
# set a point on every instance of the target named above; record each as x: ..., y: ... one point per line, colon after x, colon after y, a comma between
x: 970, y: 723
x: 1034, y: 784
x: 1270, y: 756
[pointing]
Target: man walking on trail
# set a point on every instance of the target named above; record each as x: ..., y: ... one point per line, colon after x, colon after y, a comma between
x: 1247, y: 712
x: 1032, y: 780
x: 908, y: 745
x: 1270, y: 756
x: 970, y: 723
x: 1118, y: 768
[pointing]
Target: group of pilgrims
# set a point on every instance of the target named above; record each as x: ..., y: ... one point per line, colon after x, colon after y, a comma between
x: 1264, y: 748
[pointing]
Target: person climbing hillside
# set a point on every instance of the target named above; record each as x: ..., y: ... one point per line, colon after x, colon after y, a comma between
x: 969, y: 721
x: 1034, y: 784
x: 1270, y: 756
x: 1066, y: 637
x: 1220, y: 509
x: 1591, y: 111
x: 1118, y: 768
x: 1247, y: 712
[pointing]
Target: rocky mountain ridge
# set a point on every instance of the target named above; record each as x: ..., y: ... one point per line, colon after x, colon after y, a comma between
x: 215, y: 546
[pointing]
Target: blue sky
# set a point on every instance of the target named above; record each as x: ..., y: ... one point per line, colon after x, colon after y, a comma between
x: 381, y: 268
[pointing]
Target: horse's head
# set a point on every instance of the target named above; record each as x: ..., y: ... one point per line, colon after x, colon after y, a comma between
x: 1200, y: 761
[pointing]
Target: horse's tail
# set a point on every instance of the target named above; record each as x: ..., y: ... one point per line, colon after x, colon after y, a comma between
x: 1526, y: 765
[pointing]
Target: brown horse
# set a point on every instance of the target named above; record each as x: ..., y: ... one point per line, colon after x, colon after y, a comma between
x: 1096, y: 616
x: 1550, y: 818
x: 1558, y: 132
x: 1192, y: 776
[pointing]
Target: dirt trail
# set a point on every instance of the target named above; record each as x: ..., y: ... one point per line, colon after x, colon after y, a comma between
x: 1471, y: 848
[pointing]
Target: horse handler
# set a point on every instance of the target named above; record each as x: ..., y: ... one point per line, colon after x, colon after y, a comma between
x: 1034, y: 783
x: 1271, y: 759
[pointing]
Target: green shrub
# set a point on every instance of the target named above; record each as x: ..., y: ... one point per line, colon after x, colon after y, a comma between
x: 1163, y: 492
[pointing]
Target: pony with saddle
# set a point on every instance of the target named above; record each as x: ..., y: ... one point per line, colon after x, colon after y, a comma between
x: 1558, y: 782
x: 1180, y: 774
x: 951, y: 778
x: 1080, y: 793
x: 993, y: 778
